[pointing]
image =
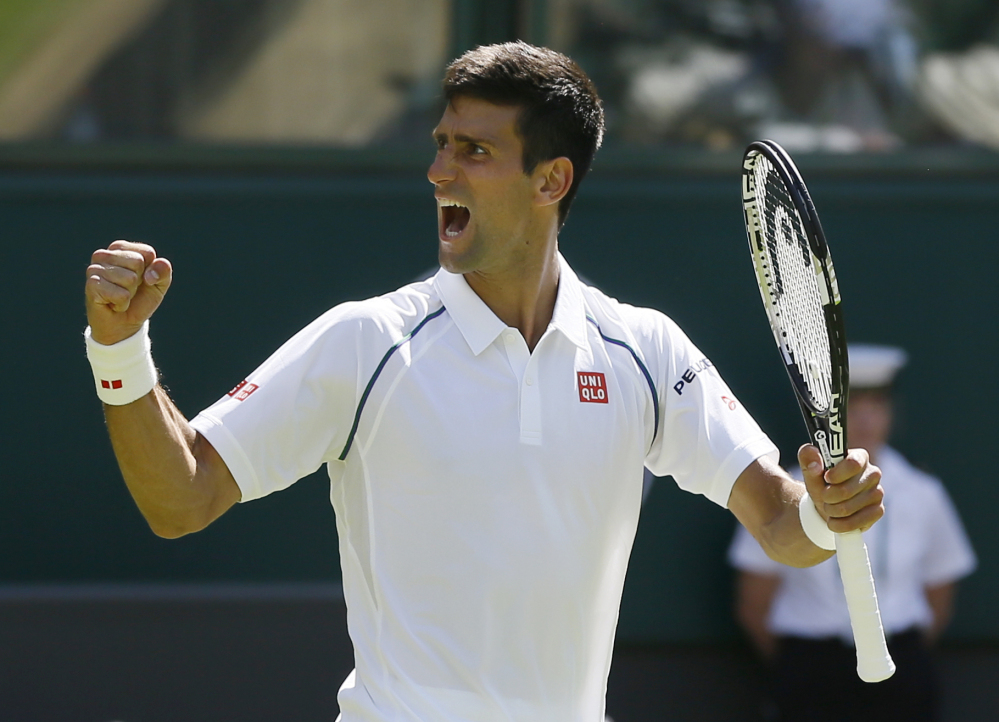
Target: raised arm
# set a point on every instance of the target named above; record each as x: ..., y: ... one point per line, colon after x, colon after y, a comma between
x: 176, y: 477
x: 765, y: 499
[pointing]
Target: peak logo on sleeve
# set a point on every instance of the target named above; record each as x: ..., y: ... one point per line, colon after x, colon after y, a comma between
x: 243, y: 390
x: 592, y: 387
x: 690, y: 374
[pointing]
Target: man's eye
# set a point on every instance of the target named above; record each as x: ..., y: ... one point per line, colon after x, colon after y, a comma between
x: 477, y: 150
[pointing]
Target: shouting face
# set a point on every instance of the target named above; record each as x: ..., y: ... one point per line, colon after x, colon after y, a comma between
x: 487, y: 216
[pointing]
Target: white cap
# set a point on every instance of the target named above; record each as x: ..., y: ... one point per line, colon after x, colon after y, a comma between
x: 873, y: 366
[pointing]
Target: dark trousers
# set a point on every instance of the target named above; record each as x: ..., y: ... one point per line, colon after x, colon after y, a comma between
x: 815, y: 680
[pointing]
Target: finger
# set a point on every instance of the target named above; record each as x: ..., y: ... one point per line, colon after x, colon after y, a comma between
x: 868, y: 479
x: 103, y: 293
x: 808, y: 455
x: 147, y: 252
x: 853, y: 464
x: 812, y: 469
x: 131, y: 260
x: 856, y: 503
x: 865, y: 495
x: 869, y: 508
x: 127, y: 278
x: 159, y: 273
x: 854, y: 499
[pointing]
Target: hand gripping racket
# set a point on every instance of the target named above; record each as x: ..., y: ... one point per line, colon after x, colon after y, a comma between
x: 801, y: 296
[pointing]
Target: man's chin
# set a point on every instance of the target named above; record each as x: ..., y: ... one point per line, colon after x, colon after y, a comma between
x: 452, y: 261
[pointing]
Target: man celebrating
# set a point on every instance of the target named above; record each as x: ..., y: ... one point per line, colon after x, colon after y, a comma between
x: 484, y: 430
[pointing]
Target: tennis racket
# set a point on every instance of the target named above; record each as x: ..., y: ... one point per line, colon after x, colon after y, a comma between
x: 798, y: 285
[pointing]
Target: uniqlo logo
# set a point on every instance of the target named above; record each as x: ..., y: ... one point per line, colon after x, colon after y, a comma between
x: 115, y: 384
x: 592, y: 387
x: 243, y: 390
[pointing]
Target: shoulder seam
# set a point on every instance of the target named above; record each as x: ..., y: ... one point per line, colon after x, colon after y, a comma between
x: 378, y: 370
x: 642, y: 367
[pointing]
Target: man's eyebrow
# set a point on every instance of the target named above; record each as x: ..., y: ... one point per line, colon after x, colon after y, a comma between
x: 464, y: 138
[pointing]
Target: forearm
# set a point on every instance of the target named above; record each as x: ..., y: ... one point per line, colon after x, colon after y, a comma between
x: 765, y: 500
x: 782, y: 537
x: 846, y: 498
x: 164, y: 464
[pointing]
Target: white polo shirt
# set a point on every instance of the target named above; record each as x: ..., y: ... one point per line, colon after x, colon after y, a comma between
x: 918, y: 543
x: 486, y: 497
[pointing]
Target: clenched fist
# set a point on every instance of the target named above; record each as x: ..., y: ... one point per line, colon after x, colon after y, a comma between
x: 126, y: 283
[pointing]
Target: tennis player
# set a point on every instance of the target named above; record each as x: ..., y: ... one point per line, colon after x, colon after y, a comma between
x: 484, y: 431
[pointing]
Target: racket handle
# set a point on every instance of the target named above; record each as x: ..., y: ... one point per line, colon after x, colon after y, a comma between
x: 874, y: 663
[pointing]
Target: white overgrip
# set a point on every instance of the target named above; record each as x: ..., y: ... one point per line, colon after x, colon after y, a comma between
x: 874, y: 663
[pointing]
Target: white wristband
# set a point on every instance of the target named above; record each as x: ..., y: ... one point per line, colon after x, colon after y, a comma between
x: 123, y: 371
x: 814, y: 525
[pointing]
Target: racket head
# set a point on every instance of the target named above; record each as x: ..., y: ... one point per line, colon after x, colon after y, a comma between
x: 799, y: 290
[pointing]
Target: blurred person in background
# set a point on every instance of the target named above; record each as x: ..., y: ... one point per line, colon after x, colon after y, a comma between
x: 797, y: 618
x: 846, y: 75
x: 815, y: 75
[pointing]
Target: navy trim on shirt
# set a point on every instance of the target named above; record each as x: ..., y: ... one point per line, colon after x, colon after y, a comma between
x: 641, y: 365
x: 374, y: 376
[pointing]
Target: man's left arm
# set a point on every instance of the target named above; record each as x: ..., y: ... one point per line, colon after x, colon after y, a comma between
x: 765, y: 500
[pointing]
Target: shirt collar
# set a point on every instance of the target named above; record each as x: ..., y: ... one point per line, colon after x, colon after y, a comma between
x: 476, y: 321
x: 480, y: 326
x: 570, y: 311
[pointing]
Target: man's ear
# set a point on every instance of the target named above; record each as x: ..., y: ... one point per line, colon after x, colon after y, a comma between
x: 554, y: 180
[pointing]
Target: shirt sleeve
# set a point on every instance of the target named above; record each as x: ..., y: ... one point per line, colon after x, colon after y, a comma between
x: 949, y: 555
x: 706, y: 437
x: 292, y: 413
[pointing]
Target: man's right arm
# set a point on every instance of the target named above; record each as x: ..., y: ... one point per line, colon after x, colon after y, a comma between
x: 177, y: 478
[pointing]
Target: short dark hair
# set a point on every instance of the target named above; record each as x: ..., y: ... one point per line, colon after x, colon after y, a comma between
x: 561, y: 113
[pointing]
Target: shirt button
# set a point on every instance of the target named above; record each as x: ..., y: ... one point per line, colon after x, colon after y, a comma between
x: 529, y: 380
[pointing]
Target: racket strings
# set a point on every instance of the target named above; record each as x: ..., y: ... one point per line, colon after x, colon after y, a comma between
x: 795, y: 298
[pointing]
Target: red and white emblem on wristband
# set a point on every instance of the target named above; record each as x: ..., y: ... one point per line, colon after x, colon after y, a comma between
x: 592, y: 387
x: 243, y: 390
x: 123, y: 371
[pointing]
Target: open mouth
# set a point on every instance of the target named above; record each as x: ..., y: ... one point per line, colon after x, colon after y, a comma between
x: 454, y: 217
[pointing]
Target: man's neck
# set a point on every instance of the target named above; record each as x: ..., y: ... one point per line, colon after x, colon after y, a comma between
x: 523, y: 297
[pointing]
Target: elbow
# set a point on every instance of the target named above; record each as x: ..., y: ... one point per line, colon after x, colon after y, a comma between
x: 167, y: 531
x: 173, y: 527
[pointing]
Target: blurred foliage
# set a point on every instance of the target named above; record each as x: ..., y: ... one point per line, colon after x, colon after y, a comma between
x: 24, y: 24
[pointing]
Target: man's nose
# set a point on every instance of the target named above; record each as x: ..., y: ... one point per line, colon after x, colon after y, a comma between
x: 441, y: 169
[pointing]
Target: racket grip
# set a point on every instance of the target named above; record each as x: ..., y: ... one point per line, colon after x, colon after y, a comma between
x: 874, y: 663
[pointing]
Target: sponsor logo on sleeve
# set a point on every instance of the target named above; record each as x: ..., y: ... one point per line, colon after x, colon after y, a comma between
x: 592, y: 387
x: 688, y: 376
x: 242, y: 390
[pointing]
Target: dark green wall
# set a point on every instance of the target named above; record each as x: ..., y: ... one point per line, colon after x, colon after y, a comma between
x: 259, y: 254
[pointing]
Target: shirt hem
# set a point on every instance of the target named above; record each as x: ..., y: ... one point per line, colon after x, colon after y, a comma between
x: 738, y: 461
x: 232, y: 454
